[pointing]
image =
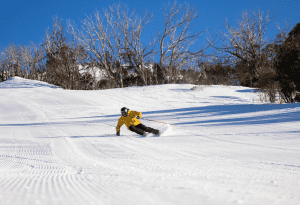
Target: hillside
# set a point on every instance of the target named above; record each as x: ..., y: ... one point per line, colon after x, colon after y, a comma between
x: 225, y: 147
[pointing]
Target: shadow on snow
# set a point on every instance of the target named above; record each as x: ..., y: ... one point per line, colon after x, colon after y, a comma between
x: 183, y: 116
x: 281, y: 113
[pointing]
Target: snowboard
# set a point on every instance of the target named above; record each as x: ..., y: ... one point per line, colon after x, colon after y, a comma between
x: 163, y: 130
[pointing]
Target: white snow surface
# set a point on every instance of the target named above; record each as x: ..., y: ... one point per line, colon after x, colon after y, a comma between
x: 225, y: 147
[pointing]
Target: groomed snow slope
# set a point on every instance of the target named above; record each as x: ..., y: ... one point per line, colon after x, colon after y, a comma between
x: 225, y: 147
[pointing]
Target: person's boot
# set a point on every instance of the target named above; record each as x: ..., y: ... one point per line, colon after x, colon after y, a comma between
x: 156, y: 132
x: 145, y: 134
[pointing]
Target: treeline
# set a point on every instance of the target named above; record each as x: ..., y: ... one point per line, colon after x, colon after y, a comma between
x: 107, y: 50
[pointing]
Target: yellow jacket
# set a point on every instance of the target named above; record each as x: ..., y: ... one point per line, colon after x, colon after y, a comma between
x: 130, y: 119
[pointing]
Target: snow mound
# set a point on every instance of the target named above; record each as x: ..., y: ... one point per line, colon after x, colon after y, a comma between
x: 18, y: 82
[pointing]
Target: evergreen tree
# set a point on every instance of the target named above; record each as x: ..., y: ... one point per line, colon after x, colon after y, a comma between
x: 287, y: 65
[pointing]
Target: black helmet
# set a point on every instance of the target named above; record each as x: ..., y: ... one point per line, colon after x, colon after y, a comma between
x: 124, y: 111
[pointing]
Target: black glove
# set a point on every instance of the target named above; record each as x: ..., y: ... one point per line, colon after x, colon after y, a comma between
x: 118, y: 133
x: 137, y: 117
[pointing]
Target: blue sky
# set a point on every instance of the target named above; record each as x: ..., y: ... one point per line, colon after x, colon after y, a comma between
x: 23, y: 21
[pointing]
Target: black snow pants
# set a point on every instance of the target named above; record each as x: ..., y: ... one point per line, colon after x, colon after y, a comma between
x: 140, y: 129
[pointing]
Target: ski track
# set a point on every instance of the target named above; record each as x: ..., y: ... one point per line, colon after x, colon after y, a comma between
x: 223, y: 149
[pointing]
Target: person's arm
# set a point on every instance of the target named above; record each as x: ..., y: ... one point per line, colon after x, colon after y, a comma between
x: 137, y: 114
x: 119, y: 125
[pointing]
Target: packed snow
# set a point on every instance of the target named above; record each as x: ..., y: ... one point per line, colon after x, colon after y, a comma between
x: 221, y: 146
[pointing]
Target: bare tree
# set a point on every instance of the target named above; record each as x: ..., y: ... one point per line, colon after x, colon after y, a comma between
x: 26, y: 57
x: 22, y: 61
x: 131, y: 27
x: 63, y: 58
x: 3, y: 68
x: 176, y: 39
x: 55, y: 39
x: 108, y: 38
x: 12, y: 61
x: 37, y: 65
x: 247, y: 45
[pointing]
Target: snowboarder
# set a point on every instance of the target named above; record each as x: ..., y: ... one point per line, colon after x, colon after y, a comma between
x: 130, y: 119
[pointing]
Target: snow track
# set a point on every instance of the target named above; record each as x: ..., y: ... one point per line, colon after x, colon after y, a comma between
x: 226, y: 147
